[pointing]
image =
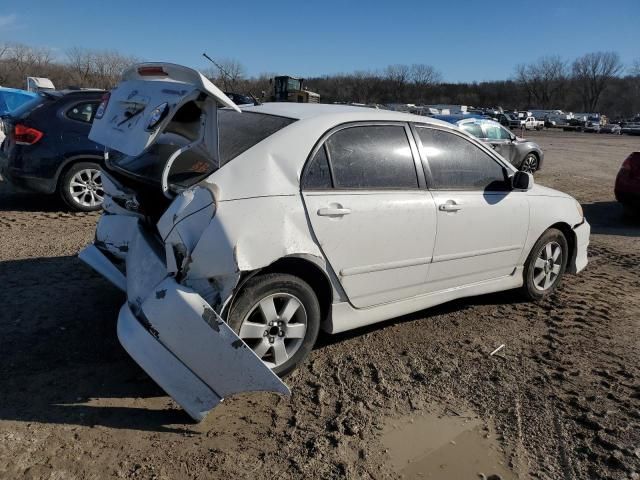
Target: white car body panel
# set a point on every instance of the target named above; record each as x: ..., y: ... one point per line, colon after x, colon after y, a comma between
x: 481, y: 241
x: 394, y: 253
x: 381, y: 249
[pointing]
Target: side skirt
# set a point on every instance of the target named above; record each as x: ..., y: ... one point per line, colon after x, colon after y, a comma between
x: 345, y: 317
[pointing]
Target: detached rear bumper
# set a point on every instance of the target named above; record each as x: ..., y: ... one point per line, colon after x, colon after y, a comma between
x: 175, y: 335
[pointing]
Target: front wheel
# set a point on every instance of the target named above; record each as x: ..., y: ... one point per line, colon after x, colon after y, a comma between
x: 278, y: 317
x: 530, y: 163
x: 545, y: 265
x: 81, y: 187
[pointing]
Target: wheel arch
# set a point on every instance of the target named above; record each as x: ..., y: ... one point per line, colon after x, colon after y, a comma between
x: 69, y: 162
x: 301, y: 267
x: 570, y: 235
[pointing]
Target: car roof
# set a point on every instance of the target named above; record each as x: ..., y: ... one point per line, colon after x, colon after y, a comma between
x: 306, y: 111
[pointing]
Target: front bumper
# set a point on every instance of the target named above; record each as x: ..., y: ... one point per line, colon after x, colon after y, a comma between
x: 175, y: 335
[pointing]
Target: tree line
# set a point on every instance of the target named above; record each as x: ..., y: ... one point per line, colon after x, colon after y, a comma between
x: 594, y: 82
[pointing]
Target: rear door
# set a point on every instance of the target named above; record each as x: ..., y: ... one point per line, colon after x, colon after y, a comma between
x: 372, y: 219
x: 482, y: 224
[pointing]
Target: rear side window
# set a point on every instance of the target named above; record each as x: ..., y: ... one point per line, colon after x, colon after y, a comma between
x: 241, y: 131
x: 317, y: 175
x: 495, y: 132
x: 83, y: 112
x: 457, y: 164
x: 373, y: 157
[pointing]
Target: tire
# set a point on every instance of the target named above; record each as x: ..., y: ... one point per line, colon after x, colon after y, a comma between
x: 81, y: 187
x: 248, y: 320
x: 540, y: 281
x: 530, y: 163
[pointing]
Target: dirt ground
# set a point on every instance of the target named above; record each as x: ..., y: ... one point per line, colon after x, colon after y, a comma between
x: 560, y: 401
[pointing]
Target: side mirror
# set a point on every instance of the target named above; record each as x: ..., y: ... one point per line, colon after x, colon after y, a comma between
x: 522, y: 181
x: 513, y: 137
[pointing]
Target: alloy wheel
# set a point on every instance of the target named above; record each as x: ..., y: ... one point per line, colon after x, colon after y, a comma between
x: 547, y: 266
x: 275, y: 328
x: 529, y: 164
x: 85, y: 187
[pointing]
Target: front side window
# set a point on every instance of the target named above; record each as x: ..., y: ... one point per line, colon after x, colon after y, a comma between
x: 83, y: 112
x: 496, y: 132
x: 473, y: 128
x: 373, y: 157
x: 457, y: 164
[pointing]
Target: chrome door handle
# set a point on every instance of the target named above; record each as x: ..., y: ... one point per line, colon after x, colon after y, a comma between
x: 333, y: 212
x: 449, y: 207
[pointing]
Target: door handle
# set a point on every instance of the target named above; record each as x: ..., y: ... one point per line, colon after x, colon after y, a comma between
x: 337, y: 211
x: 450, y: 206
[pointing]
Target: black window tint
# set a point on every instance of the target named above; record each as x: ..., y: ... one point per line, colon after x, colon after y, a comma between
x: 83, y: 112
x: 317, y: 175
x: 372, y: 157
x: 241, y: 131
x: 458, y: 164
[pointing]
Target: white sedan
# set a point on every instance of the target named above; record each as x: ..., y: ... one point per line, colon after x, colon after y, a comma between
x: 238, y: 234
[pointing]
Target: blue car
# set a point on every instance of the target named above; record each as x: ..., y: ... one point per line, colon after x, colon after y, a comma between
x: 12, y: 98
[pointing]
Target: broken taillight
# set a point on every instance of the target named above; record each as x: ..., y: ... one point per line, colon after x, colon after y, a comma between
x: 103, y: 105
x: 24, y: 135
x: 152, y: 72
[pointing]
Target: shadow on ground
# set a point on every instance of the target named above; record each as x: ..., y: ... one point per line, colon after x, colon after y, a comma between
x: 609, y: 218
x: 61, y: 359
x: 16, y: 200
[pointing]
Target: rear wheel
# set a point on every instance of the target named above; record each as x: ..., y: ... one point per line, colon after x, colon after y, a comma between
x: 545, y: 265
x: 81, y: 187
x: 278, y: 317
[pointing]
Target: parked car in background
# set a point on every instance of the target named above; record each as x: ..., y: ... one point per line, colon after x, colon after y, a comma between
x: 239, y: 98
x: 509, y: 120
x: 253, y: 227
x: 592, y: 126
x: 630, y: 128
x: 610, y: 128
x: 627, y: 188
x: 47, y: 148
x: 523, y: 154
x: 530, y: 123
x: 10, y: 99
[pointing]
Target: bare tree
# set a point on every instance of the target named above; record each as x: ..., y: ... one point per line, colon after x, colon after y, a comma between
x: 544, y: 81
x: 423, y: 75
x: 592, y: 73
x: 634, y: 69
x: 398, y: 76
x: 228, y: 72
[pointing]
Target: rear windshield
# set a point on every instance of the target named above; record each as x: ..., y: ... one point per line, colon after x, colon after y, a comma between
x: 238, y: 132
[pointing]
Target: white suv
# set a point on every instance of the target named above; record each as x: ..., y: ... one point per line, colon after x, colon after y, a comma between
x: 238, y: 234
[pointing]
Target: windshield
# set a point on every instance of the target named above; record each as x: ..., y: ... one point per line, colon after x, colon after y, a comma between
x: 238, y: 132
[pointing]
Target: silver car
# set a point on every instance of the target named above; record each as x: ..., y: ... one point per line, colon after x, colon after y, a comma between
x: 523, y: 154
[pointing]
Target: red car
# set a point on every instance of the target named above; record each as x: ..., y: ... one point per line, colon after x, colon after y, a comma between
x: 628, y: 183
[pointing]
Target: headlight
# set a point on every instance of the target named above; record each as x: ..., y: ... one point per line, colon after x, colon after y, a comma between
x: 580, y: 212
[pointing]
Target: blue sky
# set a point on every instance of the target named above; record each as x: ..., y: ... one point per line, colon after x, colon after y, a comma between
x: 465, y: 40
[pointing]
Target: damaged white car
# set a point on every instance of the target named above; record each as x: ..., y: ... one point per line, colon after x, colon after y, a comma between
x: 238, y: 234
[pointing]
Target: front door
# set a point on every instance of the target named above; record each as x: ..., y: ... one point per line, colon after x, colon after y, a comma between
x: 374, y: 223
x: 482, y: 224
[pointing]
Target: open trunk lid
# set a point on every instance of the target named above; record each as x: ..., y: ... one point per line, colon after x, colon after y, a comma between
x: 136, y: 112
